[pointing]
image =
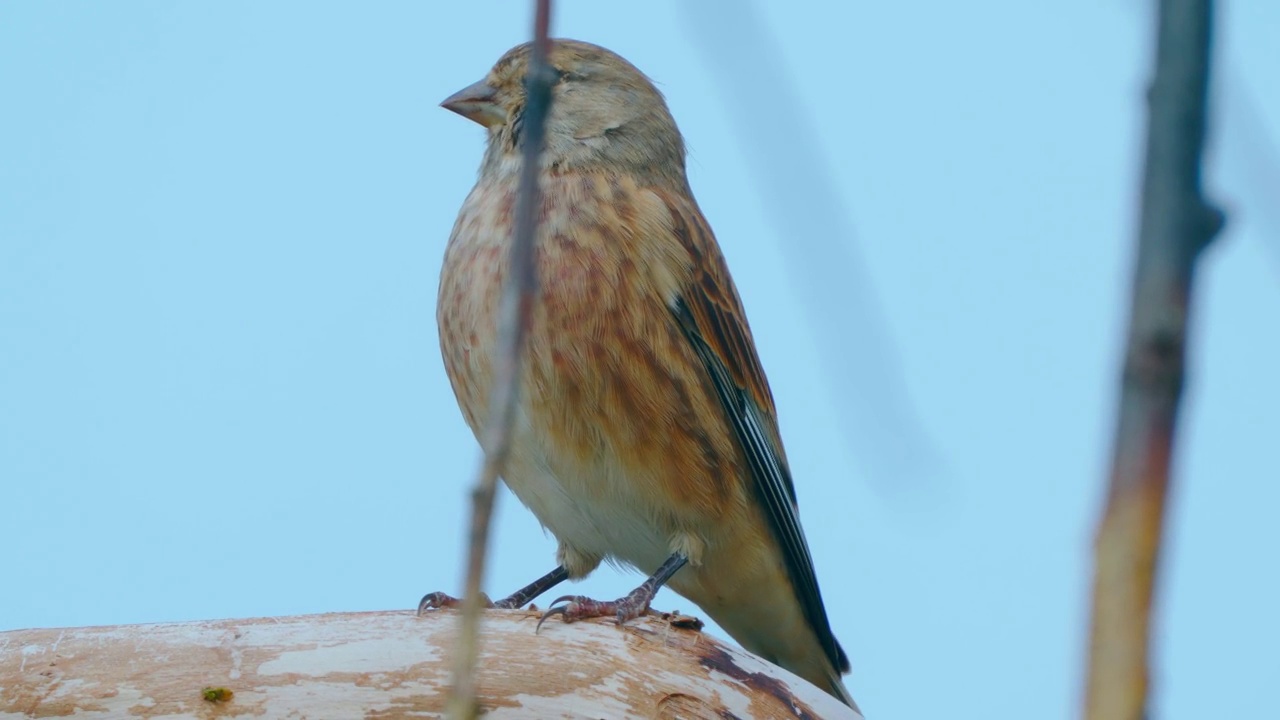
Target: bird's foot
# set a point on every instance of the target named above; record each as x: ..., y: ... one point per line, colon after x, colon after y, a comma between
x: 438, y: 600
x: 635, y: 604
x: 577, y: 607
x: 514, y: 601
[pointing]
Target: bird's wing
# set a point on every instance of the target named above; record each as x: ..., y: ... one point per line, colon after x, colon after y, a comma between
x: 711, y: 315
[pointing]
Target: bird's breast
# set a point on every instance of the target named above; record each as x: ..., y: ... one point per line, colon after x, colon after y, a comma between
x: 615, y: 410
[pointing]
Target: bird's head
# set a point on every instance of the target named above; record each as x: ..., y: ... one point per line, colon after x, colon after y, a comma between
x: 604, y: 113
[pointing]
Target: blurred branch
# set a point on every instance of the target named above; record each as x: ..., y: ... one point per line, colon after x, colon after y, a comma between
x: 513, y: 324
x: 795, y: 183
x: 1176, y: 225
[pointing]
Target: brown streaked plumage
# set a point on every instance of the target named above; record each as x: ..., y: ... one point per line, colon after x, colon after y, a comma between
x: 646, y: 432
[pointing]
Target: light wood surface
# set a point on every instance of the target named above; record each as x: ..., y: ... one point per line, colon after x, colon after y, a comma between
x: 392, y: 665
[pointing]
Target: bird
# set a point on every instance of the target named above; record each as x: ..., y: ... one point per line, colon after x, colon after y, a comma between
x: 645, y: 434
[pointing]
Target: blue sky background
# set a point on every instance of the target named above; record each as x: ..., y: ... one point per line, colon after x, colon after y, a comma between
x: 221, y: 395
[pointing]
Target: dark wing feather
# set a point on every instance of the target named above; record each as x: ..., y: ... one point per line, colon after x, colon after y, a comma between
x: 711, y: 315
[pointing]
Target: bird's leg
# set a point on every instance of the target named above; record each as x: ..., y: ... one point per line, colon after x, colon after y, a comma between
x: 515, y: 600
x: 528, y: 593
x: 633, y: 605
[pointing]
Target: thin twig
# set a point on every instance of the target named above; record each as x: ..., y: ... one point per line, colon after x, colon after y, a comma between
x: 1176, y: 225
x: 514, y: 314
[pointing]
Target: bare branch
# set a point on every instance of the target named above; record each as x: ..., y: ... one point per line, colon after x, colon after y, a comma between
x: 513, y: 322
x: 1176, y: 224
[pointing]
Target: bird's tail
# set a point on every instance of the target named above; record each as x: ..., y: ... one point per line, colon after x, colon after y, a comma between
x: 835, y: 686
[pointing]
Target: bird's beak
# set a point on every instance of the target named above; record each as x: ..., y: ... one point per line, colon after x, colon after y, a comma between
x: 477, y: 102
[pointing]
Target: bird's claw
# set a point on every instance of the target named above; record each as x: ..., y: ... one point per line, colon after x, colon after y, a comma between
x: 577, y: 608
x: 436, y: 600
x: 562, y: 610
x: 439, y: 600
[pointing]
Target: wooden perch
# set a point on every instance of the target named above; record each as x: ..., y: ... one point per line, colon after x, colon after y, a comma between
x: 393, y: 665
